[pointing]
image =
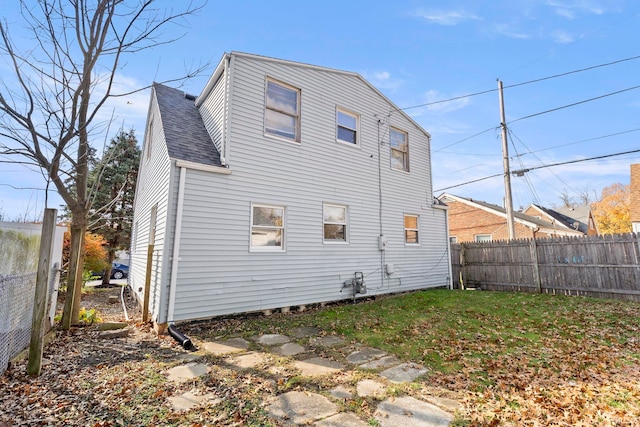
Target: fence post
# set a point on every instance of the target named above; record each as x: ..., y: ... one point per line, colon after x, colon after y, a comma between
x: 42, y: 286
x: 533, y: 247
x: 463, y: 273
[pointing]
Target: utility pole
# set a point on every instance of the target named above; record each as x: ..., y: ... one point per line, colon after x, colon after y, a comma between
x: 505, y: 163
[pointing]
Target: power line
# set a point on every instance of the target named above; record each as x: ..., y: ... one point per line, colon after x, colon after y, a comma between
x: 523, y: 171
x: 465, y: 139
x: 573, y: 104
x: 427, y: 104
x: 573, y: 143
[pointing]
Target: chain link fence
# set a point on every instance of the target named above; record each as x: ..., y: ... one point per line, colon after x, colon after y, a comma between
x: 17, y: 292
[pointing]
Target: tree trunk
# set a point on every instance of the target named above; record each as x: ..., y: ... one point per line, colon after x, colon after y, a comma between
x: 71, y: 313
x: 111, y: 254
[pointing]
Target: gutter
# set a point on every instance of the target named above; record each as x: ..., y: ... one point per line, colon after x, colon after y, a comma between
x: 175, y: 260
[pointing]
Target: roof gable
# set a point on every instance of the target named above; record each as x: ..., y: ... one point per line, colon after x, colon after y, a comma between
x: 185, y: 134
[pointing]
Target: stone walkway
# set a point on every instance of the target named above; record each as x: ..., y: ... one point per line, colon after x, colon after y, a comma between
x: 312, y: 408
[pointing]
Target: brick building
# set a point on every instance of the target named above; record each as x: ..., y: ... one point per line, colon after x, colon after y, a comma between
x: 473, y: 220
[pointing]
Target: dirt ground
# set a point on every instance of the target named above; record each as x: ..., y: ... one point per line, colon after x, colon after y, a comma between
x: 73, y: 388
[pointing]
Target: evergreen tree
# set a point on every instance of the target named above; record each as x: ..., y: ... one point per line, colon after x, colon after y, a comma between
x: 113, y: 184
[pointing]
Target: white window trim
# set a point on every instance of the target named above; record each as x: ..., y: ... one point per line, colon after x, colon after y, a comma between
x: 357, y: 129
x: 280, y: 249
x: 298, y: 116
x: 475, y: 237
x: 346, y: 224
x: 412, y: 229
x: 408, y: 164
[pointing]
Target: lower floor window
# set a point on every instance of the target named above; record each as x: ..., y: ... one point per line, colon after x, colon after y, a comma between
x: 335, y: 223
x: 267, y: 227
x: 411, y: 232
x: 482, y: 237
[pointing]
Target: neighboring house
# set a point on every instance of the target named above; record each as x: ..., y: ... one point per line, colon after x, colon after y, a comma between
x: 475, y: 221
x: 578, y: 218
x: 634, y: 203
x: 277, y: 185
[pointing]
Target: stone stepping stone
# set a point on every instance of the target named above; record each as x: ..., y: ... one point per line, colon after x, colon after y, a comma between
x: 305, y: 331
x: 249, y: 360
x: 272, y: 339
x: 445, y: 403
x: 371, y: 388
x: 383, y: 362
x: 188, y: 400
x: 341, y: 392
x: 290, y: 349
x: 328, y: 341
x: 233, y: 345
x: 300, y: 408
x: 187, y: 372
x: 365, y: 355
x: 404, y: 373
x: 344, y: 419
x: 317, y: 366
x: 410, y: 412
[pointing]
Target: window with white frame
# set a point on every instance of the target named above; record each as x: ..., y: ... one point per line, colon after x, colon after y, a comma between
x: 267, y: 227
x: 347, y: 126
x: 334, y: 221
x: 399, y: 144
x: 282, y: 111
x: 411, y: 231
x: 482, y: 237
x: 453, y: 239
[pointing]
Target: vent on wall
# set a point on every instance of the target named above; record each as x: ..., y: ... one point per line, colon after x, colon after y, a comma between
x: 190, y: 97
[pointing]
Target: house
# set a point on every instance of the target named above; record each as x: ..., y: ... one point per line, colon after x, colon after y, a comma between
x: 476, y: 221
x: 281, y: 185
x: 579, y: 218
x: 634, y: 203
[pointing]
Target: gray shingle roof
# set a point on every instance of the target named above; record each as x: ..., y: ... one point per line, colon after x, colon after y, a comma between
x: 185, y: 134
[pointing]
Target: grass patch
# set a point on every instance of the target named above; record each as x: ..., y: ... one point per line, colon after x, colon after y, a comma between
x: 510, y: 355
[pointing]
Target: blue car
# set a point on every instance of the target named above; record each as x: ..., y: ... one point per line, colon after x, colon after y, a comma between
x: 119, y: 271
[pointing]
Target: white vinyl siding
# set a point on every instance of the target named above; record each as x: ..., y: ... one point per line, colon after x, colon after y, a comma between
x: 213, y: 113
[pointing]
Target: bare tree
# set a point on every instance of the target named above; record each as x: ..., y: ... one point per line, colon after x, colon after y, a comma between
x: 51, y: 100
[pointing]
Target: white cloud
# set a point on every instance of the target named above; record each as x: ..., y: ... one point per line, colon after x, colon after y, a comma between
x: 570, y: 8
x: 446, y: 17
x: 444, y: 107
x: 382, y: 80
x: 561, y: 36
x: 509, y: 30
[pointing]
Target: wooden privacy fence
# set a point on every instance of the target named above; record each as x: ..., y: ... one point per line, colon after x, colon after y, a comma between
x: 599, y: 266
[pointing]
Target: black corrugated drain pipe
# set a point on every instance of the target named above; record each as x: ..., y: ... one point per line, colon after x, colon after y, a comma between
x: 181, y: 338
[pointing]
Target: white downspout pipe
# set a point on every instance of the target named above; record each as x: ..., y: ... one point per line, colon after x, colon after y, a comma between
x: 176, y: 246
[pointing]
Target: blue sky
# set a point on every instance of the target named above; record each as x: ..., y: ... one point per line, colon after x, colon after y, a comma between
x: 420, y: 52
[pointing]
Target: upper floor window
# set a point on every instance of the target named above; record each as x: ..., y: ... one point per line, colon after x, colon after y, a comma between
x: 267, y: 227
x: 335, y: 223
x: 399, y: 143
x: 411, y: 232
x: 282, y: 111
x: 346, y: 126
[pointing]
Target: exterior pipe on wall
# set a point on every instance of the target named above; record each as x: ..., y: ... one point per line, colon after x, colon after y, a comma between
x: 176, y: 246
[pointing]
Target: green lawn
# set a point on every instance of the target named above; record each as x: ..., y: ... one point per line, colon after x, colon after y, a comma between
x: 509, y: 357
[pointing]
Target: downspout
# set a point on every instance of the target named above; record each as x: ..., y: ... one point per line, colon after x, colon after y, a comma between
x: 225, y: 113
x: 381, y: 236
x: 175, y: 260
x: 448, y: 246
